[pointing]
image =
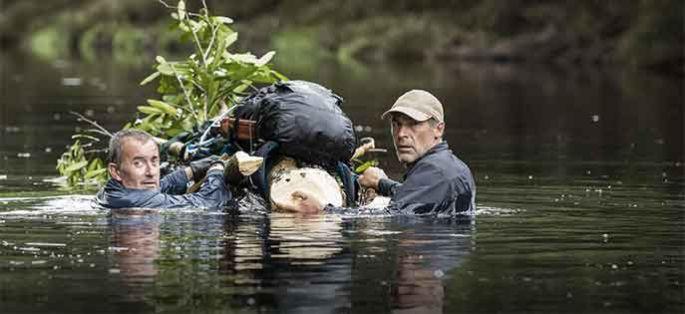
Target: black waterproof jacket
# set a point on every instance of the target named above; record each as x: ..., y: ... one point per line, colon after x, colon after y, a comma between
x: 438, y: 183
x: 213, y: 193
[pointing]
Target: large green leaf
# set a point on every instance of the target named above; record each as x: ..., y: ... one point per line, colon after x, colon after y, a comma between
x: 263, y: 75
x: 237, y: 71
x: 94, y: 173
x: 76, y: 166
x: 181, y: 10
x: 95, y: 164
x: 165, y: 69
x: 266, y: 58
x: 278, y: 75
x: 149, y: 110
x: 164, y: 107
x: 223, y: 19
x: 366, y: 165
x: 228, y: 39
x: 150, y: 78
x: 243, y: 57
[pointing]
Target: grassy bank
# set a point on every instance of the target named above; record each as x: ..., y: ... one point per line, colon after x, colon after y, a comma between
x: 636, y: 33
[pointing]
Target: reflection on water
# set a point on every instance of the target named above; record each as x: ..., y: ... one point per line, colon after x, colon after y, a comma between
x: 581, y: 197
x: 307, y: 239
x: 134, y: 248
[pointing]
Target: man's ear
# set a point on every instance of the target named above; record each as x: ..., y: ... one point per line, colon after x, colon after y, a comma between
x: 113, y: 171
x: 439, y: 129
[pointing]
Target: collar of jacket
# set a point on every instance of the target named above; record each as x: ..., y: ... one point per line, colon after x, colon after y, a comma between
x: 435, y: 149
x: 116, y: 186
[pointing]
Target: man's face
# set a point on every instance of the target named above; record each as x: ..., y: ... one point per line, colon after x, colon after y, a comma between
x: 412, y: 138
x: 139, y: 167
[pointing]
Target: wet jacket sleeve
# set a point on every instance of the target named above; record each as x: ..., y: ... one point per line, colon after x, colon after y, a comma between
x: 424, y: 191
x: 387, y: 187
x: 174, y: 183
x: 212, y: 194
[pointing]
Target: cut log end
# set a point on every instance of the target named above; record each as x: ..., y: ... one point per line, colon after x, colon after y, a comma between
x: 286, y: 178
x: 246, y: 164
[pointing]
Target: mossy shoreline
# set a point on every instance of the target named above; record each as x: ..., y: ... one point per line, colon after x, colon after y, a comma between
x: 632, y: 33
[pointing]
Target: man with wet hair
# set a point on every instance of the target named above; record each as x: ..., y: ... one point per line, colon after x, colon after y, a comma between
x: 436, y: 181
x: 133, y: 165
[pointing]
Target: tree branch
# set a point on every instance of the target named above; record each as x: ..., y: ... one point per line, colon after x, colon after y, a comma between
x: 102, y: 130
x: 185, y: 93
x: 168, y: 6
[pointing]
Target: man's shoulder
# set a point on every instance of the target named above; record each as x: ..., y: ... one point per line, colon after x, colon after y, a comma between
x: 110, y: 194
x: 445, y: 164
x: 443, y: 159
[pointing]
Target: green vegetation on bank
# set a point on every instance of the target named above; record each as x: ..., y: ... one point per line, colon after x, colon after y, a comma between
x: 639, y: 33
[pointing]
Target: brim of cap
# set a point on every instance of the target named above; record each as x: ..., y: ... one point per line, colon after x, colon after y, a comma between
x: 412, y: 113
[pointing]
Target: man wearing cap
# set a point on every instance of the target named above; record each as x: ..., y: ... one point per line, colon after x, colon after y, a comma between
x: 436, y: 181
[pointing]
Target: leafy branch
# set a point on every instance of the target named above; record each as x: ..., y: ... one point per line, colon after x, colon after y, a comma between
x: 192, y: 91
x: 83, y: 167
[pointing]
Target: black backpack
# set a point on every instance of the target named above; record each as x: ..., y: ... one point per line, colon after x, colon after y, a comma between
x: 305, y: 119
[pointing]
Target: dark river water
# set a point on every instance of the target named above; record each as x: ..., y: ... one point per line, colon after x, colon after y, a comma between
x: 581, y: 203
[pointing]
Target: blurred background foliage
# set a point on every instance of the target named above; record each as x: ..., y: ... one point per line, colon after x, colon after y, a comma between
x: 637, y: 33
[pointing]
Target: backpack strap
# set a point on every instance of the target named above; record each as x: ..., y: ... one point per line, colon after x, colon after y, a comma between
x: 260, y: 178
x: 349, y: 180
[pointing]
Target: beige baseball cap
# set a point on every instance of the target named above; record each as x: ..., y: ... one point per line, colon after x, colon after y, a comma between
x: 419, y: 105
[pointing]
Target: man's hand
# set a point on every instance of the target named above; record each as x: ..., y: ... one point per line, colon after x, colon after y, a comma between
x: 301, y: 202
x: 370, y: 177
x: 199, y: 167
x: 218, y: 165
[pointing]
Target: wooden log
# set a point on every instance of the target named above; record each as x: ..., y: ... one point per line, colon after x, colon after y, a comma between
x: 241, y: 165
x: 285, y: 178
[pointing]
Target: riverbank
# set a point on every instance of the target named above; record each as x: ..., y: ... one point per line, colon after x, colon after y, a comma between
x: 639, y: 34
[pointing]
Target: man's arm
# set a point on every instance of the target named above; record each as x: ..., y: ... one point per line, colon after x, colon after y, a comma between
x: 424, y: 191
x: 213, y: 194
x: 376, y: 179
x: 388, y: 187
x: 175, y: 183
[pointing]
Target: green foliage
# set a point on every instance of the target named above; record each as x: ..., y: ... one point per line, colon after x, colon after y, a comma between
x: 194, y: 90
x: 206, y: 83
x: 361, y: 158
x: 47, y: 43
x: 78, y: 170
x: 366, y: 165
x: 656, y: 38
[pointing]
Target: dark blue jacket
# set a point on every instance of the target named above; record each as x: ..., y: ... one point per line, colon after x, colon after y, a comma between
x: 437, y: 183
x: 213, y: 193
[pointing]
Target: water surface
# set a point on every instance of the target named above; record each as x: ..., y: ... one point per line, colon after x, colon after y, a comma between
x: 580, y: 195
